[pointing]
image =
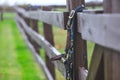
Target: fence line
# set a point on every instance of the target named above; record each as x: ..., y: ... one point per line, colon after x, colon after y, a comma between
x: 102, y: 29
x: 51, y: 51
x: 101, y: 24
x: 37, y: 57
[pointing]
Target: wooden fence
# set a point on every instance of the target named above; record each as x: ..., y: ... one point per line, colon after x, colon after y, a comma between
x: 99, y: 26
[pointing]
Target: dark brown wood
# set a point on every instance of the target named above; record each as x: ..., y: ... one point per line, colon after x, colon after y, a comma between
x: 1, y: 15
x: 71, y: 4
x: 115, y: 6
x: 48, y: 33
x: 94, y: 4
x: 37, y: 57
x: 108, y: 64
x: 28, y: 22
x: 100, y: 71
x: 111, y: 57
x: 50, y: 50
x: 34, y: 24
x: 107, y: 4
x: 112, y: 64
x: 80, y: 45
x: 96, y: 70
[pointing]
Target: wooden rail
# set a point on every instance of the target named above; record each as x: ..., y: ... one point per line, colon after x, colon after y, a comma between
x: 51, y: 51
x: 38, y: 58
x: 91, y: 25
x: 53, y: 18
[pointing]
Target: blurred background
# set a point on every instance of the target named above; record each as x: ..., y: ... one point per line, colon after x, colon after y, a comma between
x: 38, y: 2
x: 16, y: 61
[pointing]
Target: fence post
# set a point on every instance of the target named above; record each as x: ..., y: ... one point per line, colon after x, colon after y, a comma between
x: 34, y: 25
x: 111, y: 57
x: 80, y: 45
x: 1, y: 13
x: 48, y: 33
x: 27, y: 20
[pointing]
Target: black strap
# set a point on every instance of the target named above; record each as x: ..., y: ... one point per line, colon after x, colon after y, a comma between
x: 70, y: 51
x: 67, y: 58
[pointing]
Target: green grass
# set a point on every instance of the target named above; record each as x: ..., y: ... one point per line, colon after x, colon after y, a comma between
x: 59, y: 37
x: 16, y: 61
x: 60, y: 40
x: 90, y: 47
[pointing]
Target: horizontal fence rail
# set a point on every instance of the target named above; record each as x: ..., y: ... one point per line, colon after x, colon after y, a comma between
x: 51, y: 51
x: 50, y: 17
x: 99, y: 29
x: 38, y: 58
x: 90, y: 25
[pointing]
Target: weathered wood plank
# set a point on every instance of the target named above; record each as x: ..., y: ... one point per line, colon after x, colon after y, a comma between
x: 37, y: 57
x: 95, y: 63
x: 107, y: 4
x: 21, y: 11
x: 34, y: 24
x: 93, y: 11
x: 80, y: 52
x: 103, y: 29
x: 112, y: 64
x: 111, y: 57
x: 115, y: 6
x: 51, y: 51
x: 48, y: 34
x: 1, y: 13
x: 93, y: 4
x: 50, y: 17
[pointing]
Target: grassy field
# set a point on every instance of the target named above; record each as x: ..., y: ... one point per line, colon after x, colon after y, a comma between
x: 16, y: 61
x: 60, y: 40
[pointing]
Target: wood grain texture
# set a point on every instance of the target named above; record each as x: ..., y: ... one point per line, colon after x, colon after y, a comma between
x: 37, y: 57
x: 51, y: 51
x: 48, y: 34
x: 34, y: 25
x: 95, y: 63
x: 80, y: 52
x: 50, y: 17
x: 103, y: 29
x: 112, y: 57
x: 112, y: 64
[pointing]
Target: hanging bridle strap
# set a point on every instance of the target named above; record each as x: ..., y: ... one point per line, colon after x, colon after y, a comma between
x: 67, y: 58
x: 70, y: 50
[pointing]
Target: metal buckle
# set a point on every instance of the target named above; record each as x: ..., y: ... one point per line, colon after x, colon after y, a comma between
x: 71, y: 15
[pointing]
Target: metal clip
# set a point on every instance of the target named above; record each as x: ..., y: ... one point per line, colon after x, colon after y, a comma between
x: 71, y: 15
x: 59, y: 57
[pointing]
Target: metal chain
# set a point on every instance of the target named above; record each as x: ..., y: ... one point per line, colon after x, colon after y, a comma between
x: 69, y: 53
x: 67, y: 58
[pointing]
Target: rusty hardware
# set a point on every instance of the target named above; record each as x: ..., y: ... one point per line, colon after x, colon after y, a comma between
x: 59, y: 57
